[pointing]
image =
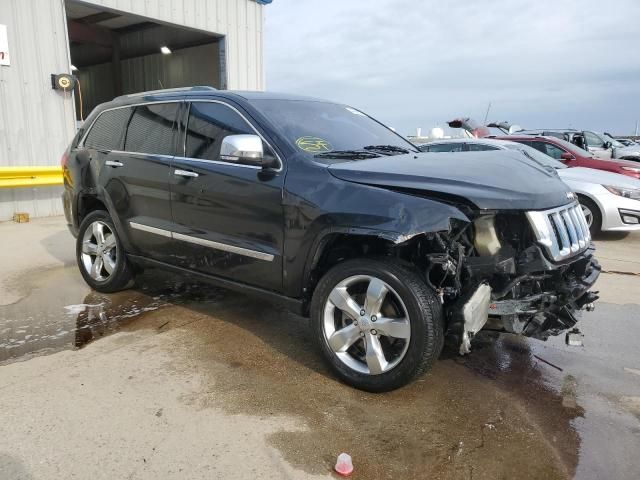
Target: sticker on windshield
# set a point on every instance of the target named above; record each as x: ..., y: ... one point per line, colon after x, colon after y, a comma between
x: 355, y: 112
x: 313, y: 144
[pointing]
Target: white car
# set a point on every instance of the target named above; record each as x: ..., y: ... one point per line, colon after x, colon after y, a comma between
x: 610, y: 201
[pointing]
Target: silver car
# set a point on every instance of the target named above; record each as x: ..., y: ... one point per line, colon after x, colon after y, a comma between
x: 610, y: 201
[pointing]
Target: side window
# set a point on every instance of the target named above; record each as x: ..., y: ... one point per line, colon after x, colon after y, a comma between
x: 208, y: 124
x: 108, y: 130
x: 553, y: 151
x: 152, y: 129
x: 479, y: 147
x: 593, y: 140
x: 446, y: 147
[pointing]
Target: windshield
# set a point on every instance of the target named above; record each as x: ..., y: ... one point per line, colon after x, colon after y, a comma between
x: 316, y: 128
x: 536, y: 155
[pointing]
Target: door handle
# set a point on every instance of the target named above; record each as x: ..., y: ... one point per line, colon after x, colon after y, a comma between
x: 113, y: 163
x: 185, y: 173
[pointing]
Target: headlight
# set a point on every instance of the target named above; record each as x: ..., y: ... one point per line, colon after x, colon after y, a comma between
x: 633, y: 193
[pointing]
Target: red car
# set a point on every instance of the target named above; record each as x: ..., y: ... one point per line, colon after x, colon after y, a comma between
x: 573, y: 156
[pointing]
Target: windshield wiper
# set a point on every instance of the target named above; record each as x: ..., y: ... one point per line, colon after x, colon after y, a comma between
x: 348, y: 154
x: 386, y: 149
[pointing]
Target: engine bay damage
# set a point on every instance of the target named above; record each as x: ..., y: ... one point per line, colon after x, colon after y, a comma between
x: 494, y: 273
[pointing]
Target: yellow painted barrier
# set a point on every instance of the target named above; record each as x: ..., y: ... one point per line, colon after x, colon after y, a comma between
x: 17, y: 177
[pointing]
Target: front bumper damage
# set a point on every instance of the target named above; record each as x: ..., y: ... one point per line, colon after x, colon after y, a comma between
x: 545, y: 300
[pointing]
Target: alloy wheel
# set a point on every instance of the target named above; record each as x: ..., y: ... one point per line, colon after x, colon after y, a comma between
x: 99, y: 251
x: 366, y: 324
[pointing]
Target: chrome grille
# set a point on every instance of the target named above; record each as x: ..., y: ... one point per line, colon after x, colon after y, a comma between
x: 562, y: 231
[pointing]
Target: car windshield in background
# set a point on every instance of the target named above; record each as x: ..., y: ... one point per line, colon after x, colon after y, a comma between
x: 330, y: 131
x: 536, y: 155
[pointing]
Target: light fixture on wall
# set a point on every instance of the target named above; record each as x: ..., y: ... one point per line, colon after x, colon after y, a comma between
x: 166, y: 50
x: 73, y: 68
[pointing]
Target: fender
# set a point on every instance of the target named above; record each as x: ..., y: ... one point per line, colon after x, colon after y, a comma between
x: 314, y: 210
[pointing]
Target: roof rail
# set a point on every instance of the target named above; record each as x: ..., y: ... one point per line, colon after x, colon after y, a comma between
x: 196, y: 88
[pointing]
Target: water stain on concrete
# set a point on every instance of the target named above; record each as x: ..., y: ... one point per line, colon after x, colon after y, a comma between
x: 61, y: 312
x: 462, y: 420
x: 488, y: 415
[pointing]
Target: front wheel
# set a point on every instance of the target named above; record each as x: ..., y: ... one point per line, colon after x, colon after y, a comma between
x: 377, y: 323
x: 101, y: 258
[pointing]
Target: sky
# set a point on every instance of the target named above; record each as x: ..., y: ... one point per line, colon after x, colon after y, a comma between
x: 419, y: 63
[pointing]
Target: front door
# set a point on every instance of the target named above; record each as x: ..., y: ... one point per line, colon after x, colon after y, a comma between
x: 228, y: 216
x: 596, y: 145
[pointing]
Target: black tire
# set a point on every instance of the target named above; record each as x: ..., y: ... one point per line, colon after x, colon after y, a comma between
x: 425, y: 316
x: 596, y: 223
x: 121, y: 276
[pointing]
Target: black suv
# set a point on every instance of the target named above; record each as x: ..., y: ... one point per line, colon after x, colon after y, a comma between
x: 318, y: 206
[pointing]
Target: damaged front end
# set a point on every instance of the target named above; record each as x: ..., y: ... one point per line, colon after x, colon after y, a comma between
x: 520, y: 272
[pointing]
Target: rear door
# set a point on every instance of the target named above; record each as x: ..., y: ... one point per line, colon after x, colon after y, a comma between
x: 228, y: 216
x: 137, y: 180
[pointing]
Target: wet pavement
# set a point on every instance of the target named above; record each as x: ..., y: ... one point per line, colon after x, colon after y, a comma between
x: 514, y: 408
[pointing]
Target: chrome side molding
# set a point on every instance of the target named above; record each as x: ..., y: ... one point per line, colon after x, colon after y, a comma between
x: 267, y: 257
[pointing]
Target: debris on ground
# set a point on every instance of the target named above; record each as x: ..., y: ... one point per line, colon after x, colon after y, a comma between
x: 548, y: 363
x: 344, y: 465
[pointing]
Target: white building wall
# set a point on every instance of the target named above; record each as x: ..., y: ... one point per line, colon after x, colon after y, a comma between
x: 37, y: 122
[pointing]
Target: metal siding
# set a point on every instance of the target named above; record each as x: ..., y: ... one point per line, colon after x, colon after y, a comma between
x: 226, y: 17
x: 37, y: 123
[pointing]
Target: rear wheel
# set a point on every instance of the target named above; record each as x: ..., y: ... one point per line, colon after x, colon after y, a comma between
x: 592, y: 214
x: 101, y: 258
x: 377, y: 323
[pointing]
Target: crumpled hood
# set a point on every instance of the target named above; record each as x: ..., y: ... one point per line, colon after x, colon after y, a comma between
x: 490, y: 180
x: 591, y: 175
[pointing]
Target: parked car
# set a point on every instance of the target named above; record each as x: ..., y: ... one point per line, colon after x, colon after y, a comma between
x: 573, y: 156
x: 610, y: 202
x: 627, y: 142
x: 600, y: 145
x: 319, y: 207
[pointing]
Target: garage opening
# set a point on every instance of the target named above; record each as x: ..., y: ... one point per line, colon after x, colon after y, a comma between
x: 116, y: 53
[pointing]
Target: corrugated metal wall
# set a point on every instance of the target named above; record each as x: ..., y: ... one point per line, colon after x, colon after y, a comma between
x: 189, y: 66
x: 36, y: 122
x: 239, y: 20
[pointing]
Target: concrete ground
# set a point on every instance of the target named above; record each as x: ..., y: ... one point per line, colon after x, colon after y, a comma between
x: 175, y: 379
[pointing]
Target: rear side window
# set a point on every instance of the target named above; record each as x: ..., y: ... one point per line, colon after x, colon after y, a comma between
x: 107, y: 132
x: 480, y: 147
x: 152, y: 129
x: 208, y: 124
x: 446, y: 147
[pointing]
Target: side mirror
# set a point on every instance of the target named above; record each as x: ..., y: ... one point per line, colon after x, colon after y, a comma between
x: 567, y: 156
x: 246, y: 150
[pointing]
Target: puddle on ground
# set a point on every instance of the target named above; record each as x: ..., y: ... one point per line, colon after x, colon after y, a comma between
x: 61, y: 312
